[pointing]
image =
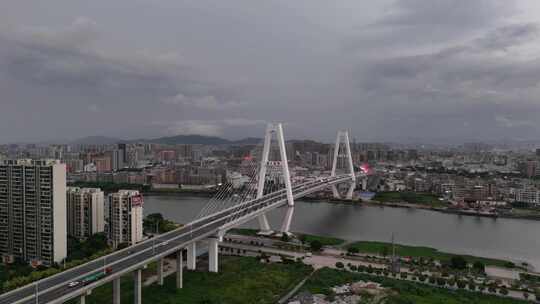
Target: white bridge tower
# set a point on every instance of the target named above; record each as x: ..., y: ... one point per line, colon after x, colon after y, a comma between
x: 277, y: 129
x: 343, y: 138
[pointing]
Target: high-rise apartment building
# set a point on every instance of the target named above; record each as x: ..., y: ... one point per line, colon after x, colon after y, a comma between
x: 33, y: 211
x: 125, y: 217
x: 85, y: 212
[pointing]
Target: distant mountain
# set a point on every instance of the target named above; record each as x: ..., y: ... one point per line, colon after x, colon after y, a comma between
x: 202, y: 140
x: 189, y: 139
x: 169, y: 140
x: 248, y: 141
x: 97, y: 140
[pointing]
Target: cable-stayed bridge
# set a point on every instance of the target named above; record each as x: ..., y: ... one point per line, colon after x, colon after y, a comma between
x: 269, y: 187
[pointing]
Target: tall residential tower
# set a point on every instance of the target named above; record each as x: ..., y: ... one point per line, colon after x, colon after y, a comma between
x: 125, y: 217
x: 85, y: 212
x: 33, y: 211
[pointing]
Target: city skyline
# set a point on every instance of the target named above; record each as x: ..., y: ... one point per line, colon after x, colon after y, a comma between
x: 377, y: 68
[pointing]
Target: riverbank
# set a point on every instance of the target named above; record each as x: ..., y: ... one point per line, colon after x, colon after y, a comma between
x: 521, y: 216
x: 450, y: 280
x: 179, y: 192
x: 385, y: 248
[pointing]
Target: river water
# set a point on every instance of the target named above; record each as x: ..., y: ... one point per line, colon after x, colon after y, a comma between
x: 512, y: 239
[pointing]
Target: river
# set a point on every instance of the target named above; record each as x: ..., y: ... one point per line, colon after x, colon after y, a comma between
x: 512, y: 239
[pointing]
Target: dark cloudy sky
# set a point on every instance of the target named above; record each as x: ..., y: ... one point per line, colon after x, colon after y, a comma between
x: 386, y: 69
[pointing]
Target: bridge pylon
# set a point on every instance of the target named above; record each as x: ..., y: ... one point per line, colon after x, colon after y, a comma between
x: 277, y: 130
x: 343, y: 138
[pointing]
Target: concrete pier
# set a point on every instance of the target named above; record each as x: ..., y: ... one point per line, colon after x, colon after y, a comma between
x: 137, y: 285
x: 160, y: 272
x: 179, y: 268
x: 192, y: 256
x: 116, y: 291
x: 213, y: 254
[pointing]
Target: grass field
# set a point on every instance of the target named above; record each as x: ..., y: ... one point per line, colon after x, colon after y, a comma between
x: 325, y: 240
x: 409, y: 197
x: 407, y: 292
x: 240, y: 280
x: 419, y: 251
x: 308, y: 238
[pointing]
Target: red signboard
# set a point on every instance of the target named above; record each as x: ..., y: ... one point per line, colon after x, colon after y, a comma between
x: 137, y: 201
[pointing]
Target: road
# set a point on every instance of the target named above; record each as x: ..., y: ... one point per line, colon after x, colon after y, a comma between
x: 55, y: 288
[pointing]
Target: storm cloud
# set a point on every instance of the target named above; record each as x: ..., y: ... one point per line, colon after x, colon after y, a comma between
x: 392, y: 70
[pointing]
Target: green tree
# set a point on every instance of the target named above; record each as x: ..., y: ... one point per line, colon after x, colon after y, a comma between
x: 315, y: 245
x: 479, y: 267
x: 353, y: 250
x: 458, y: 262
x: 384, y: 251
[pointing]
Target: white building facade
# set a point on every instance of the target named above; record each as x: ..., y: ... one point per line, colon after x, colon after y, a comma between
x: 85, y: 212
x: 125, y: 217
x: 33, y: 211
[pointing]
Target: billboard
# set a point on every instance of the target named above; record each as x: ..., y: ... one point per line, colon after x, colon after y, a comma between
x: 137, y: 201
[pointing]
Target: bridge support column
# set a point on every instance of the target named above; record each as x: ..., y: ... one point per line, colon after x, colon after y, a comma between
x: 137, y: 292
x: 343, y: 136
x: 82, y: 299
x: 116, y: 291
x: 364, y: 183
x: 285, y: 228
x: 192, y: 256
x: 264, y: 225
x: 213, y: 254
x: 335, y: 192
x: 277, y: 129
x: 351, y: 191
x: 179, y: 268
x: 160, y: 272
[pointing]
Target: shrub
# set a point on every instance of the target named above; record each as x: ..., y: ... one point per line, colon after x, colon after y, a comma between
x: 340, y: 265
x: 315, y: 245
x: 458, y: 262
x: 479, y: 267
x: 509, y: 265
x: 441, y: 281
x: 370, y: 269
x: 352, y: 250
